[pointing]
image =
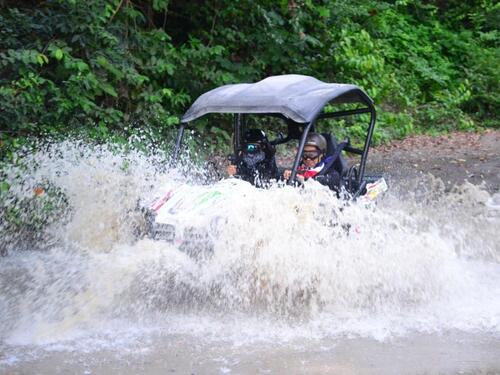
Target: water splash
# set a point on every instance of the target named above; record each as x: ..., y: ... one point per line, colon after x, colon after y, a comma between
x: 286, y: 262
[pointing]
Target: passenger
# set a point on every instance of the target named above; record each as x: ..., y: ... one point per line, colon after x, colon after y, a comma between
x: 256, y: 163
x: 314, y: 161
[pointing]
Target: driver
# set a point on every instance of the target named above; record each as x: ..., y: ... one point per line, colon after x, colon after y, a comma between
x: 314, y: 160
x: 256, y: 162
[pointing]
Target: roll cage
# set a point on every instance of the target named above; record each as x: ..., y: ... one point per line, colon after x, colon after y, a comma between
x: 296, y: 99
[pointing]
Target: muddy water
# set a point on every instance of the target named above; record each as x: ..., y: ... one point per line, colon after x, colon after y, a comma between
x: 298, y: 281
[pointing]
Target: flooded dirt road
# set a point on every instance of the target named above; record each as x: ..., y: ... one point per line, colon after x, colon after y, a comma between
x: 419, y: 354
x: 297, y: 281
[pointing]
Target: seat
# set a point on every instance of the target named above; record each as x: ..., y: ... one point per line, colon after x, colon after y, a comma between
x: 340, y: 165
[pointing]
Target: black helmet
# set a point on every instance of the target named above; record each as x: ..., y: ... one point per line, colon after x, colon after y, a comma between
x: 254, y: 136
x: 316, y: 140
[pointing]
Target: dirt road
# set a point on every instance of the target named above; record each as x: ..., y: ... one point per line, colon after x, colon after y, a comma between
x: 455, y: 158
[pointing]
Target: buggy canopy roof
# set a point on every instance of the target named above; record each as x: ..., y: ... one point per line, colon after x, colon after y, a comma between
x: 297, y: 97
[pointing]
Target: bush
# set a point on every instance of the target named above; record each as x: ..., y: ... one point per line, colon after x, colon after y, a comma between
x: 109, y: 69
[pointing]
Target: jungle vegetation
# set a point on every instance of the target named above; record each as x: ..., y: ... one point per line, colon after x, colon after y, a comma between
x: 109, y: 69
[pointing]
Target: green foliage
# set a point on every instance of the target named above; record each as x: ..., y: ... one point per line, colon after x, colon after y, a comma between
x: 115, y: 69
x: 88, y: 67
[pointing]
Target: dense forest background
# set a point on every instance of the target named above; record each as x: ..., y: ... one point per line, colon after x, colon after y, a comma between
x: 111, y: 69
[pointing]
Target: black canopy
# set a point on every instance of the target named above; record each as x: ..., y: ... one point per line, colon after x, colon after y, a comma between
x: 297, y: 97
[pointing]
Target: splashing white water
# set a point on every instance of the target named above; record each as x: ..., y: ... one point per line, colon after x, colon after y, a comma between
x: 286, y: 263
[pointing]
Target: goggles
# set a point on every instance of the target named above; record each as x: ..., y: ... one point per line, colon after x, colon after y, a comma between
x: 311, y: 155
x: 253, y: 148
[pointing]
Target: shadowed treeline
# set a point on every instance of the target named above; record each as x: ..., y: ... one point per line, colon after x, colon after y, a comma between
x: 114, y: 68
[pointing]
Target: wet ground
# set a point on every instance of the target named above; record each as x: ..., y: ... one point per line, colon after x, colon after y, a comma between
x: 452, y: 353
x: 210, y: 350
x: 455, y: 158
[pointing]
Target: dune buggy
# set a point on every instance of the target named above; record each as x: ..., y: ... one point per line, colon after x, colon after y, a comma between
x: 300, y: 103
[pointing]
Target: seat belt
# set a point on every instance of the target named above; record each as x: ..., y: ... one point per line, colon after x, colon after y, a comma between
x: 334, y: 156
